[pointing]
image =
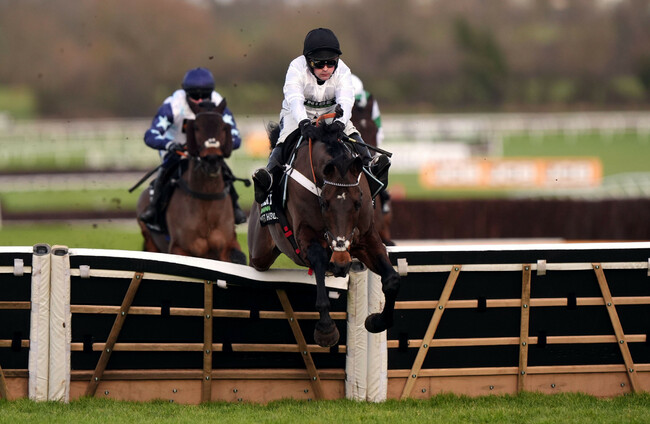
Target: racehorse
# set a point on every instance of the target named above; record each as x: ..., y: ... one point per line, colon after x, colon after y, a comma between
x: 362, y: 120
x: 199, y: 217
x: 329, y: 217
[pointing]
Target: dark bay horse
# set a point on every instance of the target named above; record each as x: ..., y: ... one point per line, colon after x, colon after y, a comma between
x: 199, y: 217
x: 362, y: 120
x: 329, y: 210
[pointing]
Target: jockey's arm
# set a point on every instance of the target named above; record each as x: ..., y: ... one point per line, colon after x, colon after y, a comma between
x: 345, y: 92
x: 229, y: 118
x: 293, y: 90
x: 156, y: 137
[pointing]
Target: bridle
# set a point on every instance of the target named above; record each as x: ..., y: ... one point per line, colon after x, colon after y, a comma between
x: 205, y: 165
x: 338, y: 244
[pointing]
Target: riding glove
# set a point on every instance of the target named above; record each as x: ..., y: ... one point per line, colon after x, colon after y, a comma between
x: 308, y: 130
x: 337, y: 128
x: 172, y: 146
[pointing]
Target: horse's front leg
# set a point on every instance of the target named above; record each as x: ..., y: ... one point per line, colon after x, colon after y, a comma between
x: 325, y: 334
x: 374, y: 255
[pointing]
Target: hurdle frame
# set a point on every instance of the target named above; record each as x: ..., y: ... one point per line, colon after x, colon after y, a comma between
x: 437, y: 284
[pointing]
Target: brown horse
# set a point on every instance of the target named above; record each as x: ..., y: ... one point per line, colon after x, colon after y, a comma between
x: 200, y: 218
x: 330, y: 212
x: 362, y: 120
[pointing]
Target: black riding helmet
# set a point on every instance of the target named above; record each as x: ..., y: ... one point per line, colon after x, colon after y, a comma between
x: 321, y: 44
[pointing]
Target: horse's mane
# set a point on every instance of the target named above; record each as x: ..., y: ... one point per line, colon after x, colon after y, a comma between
x: 340, y: 154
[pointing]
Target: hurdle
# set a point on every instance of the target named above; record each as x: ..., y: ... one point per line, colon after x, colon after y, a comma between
x: 501, y: 319
x: 138, y: 326
x: 471, y: 320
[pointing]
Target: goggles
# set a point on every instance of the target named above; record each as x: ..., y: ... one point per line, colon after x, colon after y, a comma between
x: 199, y: 94
x: 320, y: 64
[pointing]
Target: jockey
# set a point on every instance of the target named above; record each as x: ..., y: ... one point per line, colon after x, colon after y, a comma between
x: 166, y: 134
x: 315, y: 83
x: 361, y: 97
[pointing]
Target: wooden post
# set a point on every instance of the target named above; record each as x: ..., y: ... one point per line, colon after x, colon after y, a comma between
x: 206, y: 387
x: 302, y: 345
x: 115, y: 332
x: 523, y: 328
x: 3, y: 385
x: 618, y: 328
x: 431, y: 331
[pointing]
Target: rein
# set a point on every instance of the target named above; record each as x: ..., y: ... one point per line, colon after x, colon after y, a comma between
x: 311, y: 161
x: 182, y: 184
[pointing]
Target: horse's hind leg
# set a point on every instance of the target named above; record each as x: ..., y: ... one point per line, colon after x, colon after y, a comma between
x: 261, y: 247
x: 325, y: 334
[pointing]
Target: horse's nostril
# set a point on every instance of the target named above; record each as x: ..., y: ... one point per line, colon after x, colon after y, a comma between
x: 340, y: 244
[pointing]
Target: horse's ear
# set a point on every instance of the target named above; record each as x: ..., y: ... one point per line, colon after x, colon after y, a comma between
x: 356, y: 166
x: 221, y: 106
x: 328, y: 171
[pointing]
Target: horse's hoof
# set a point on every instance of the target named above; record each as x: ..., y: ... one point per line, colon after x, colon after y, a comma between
x: 237, y: 257
x: 327, y: 338
x: 375, y: 323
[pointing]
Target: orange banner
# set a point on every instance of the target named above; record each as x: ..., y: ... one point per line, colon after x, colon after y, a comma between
x: 513, y: 173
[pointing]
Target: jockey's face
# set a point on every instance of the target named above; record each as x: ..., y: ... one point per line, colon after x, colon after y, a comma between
x: 324, y: 68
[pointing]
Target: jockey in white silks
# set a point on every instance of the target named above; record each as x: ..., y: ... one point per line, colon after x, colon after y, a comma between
x: 315, y: 84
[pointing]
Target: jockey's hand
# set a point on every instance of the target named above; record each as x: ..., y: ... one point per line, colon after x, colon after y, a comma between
x: 338, y: 111
x: 337, y: 128
x: 172, y: 146
x: 308, y: 130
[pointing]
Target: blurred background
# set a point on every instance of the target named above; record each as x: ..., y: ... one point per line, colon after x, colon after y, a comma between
x: 507, y: 119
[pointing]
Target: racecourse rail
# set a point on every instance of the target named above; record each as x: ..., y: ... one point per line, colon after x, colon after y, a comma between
x: 470, y: 319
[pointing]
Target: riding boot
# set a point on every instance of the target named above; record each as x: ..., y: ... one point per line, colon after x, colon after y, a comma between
x: 265, y: 178
x: 149, y: 215
x: 361, y: 150
x: 229, y: 177
x: 377, y: 166
x: 240, y: 215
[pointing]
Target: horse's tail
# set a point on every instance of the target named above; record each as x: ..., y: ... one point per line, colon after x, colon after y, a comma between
x: 273, y: 131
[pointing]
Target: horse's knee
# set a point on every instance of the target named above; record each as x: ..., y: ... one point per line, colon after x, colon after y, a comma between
x: 258, y: 265
x: 390, y: 284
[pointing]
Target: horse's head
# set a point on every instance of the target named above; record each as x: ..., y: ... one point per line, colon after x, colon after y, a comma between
x: 341, y: 201
x: 209, y: 138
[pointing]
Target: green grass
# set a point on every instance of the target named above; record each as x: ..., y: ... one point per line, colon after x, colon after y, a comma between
x: 525, y: 408
x: 65, y: 200
x: 619, y: 152
x: 100, y: 235
x: 87, y: 235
